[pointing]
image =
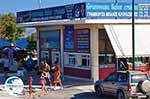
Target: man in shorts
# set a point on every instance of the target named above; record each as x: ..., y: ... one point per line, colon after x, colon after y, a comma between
x: 45, y: 69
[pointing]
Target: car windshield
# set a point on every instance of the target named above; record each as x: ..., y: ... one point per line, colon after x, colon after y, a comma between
x: 140, y: 77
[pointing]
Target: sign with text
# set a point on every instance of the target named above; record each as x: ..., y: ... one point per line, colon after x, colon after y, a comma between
x: 117, y: 10
x: 54, y: 13
x: 83, y: 40
x: 69, y: 38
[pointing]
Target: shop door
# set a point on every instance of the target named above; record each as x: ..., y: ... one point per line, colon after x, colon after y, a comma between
x: 55, y: 56
x: 45, y: 55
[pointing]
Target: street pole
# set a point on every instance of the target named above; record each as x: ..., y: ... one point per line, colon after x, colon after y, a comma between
x: 133, y: 37
x: 39, y: 3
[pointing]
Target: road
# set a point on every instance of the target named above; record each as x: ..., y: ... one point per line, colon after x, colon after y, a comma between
x: 75, y: 92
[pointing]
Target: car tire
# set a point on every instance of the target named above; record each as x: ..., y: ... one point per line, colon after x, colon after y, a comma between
x: 144, y: 86
x: 121, y: 95
x: 99, y: 92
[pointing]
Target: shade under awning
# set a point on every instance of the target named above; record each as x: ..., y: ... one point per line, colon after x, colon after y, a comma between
x: 121, y: 39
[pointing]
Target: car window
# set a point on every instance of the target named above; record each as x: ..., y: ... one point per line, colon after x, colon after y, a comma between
x: 122, y: 77
x: 140, y: 77
x: 111, y: 77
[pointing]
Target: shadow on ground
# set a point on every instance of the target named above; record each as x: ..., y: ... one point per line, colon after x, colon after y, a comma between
x: 89, y: 95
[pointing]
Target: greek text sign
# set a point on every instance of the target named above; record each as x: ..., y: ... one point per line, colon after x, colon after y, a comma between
x: 116, y: 11
x: 54, y: 13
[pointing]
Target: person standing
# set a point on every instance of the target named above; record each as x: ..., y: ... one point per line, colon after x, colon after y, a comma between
x: 6, y: 66
x: 10, y: 53
x: 43, y: 82
x: 29, y: 64
x: 45, y: 69
x: 57, y: 76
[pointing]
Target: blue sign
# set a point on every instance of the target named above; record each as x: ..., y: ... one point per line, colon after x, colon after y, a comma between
x: 109, y: 9
x: 117, y: 10
x: 69, y: 38
x: 54, y: 13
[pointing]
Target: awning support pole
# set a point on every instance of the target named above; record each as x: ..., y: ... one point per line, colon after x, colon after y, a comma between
x: 133, y: 38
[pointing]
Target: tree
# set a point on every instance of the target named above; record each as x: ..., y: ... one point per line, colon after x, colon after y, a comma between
x: 32, y: 41
x: 8, y: 28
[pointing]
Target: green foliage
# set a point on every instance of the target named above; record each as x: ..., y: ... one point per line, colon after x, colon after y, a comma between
x: 32, y: 41
x: 8, y: 29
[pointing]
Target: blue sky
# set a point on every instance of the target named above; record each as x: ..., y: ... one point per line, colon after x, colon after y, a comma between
x: 14, y: 6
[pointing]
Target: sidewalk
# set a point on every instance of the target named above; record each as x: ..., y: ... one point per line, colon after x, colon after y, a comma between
x: 68, y: 82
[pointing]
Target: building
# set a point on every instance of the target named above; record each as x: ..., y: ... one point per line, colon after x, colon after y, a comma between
x: 88, y: 39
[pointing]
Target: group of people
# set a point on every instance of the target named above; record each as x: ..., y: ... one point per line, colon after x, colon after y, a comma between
x: 45, y: 75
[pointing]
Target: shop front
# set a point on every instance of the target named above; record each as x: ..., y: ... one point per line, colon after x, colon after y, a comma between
x: 88, y: 39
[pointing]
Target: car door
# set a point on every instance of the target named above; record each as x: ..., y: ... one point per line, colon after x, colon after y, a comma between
x: 109, y: 83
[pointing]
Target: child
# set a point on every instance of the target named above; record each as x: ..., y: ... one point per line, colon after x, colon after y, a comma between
x: 57, y: 76
x: 42, y: 82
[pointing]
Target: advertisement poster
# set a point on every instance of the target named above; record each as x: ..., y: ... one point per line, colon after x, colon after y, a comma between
x: 83, y: 40
x: 69, y: 38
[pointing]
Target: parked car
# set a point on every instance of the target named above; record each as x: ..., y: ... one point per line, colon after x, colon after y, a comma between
x: 125, y: 85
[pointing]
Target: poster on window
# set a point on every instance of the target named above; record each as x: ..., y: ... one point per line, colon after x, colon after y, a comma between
x: 50, y: 39
x: 83, y: 40
x: 69, y: 38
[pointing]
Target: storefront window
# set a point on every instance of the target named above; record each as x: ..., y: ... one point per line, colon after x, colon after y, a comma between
x: 50, y: 39
x: 106, y: 59
x: 76, y: 60
x: 85, y: 60
x: 72, y: 59
x: 106, y: 53
x: 140, y: 61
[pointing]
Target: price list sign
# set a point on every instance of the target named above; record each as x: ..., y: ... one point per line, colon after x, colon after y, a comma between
x: 83, y: 40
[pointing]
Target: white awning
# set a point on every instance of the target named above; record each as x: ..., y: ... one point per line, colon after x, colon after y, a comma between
x: 121, y: 39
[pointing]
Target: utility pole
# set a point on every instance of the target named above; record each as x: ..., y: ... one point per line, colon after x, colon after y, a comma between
x: 39, y: 3
x: 133, y: 37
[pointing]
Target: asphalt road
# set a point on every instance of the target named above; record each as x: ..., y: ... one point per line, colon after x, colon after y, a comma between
x: 75, y: 92
x: 78, y: 92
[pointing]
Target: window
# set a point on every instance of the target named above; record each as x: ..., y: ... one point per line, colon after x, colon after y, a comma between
x: 106, y: 59
x: 122, y: 77
x: 140, y: 61
x: 78, y: 60
x: 139, y: 77
x: 111, y: 77
x: 106, y: 53
x: 85, y: 60
x: 72, y: 60
x: 49, y: 39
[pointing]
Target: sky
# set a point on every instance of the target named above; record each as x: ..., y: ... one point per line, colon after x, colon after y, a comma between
x: 13, y: 6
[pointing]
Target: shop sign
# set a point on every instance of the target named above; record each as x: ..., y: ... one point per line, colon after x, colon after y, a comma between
x: 54, y: 13
x: 117, y: 10
x: 14, y: 86
x: 83, y: 40
x: 69, y: 38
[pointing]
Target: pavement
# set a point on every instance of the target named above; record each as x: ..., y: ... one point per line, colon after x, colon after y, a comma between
x: 71, y: 87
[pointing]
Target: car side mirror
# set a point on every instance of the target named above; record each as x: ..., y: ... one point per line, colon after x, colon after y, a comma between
x: 113, y: 82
